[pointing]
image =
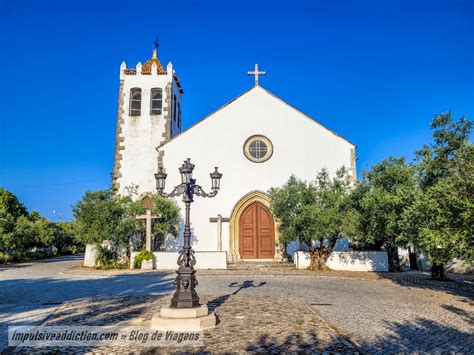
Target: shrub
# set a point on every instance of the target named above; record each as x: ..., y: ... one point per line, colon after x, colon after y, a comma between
x: 143, y: 255
x: 106, y: 255
x: 111, y: 266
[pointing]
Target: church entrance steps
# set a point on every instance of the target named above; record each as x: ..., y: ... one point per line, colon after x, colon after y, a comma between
x: 261, y: 265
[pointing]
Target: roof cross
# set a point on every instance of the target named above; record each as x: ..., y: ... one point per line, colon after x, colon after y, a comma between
x: 256, y: 73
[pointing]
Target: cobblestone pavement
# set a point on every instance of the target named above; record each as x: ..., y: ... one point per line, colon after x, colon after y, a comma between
x: 246, y: 323
x: 380, y: 313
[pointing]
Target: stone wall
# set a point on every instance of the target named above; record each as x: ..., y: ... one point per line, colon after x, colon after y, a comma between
x: 204, y: 260
x: 348, y: 260
x: 89, y: 257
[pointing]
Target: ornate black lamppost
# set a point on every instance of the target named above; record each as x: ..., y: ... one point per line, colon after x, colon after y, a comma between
x: 185, y: 295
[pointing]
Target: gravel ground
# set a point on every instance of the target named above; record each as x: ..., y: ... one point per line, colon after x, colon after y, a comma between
x: 380, y: 314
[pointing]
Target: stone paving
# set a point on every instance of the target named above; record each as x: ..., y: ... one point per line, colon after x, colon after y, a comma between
x: 380, y: 313
x: 240, y: 329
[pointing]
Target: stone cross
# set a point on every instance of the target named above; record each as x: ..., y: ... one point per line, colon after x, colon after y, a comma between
x: 148, y: 218
x: 256, y: 73
x: 219, y: 221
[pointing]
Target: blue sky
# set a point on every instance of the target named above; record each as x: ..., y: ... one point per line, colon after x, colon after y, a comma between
x: 375, y: 72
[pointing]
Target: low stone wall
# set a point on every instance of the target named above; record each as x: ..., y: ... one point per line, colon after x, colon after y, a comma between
x: 166, y: 260
x: 89, y: 256
x: 348, y: 260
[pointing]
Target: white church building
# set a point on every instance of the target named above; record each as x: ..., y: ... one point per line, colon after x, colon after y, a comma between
x: 257, y: 140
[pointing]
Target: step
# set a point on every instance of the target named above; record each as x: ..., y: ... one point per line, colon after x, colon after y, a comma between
x: 260, y: 266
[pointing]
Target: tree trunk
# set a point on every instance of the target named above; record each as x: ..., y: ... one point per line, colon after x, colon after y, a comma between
x: 437, y: 272
x: 393, y: 260
x: 318, y: 260
x: 128, y: 256
x: 284, y: 252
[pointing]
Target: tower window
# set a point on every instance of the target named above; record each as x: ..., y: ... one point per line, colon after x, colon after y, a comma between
x: 179, y: 116
x: 174, y: 109
x: 156, y: 101
x: 135, y: 101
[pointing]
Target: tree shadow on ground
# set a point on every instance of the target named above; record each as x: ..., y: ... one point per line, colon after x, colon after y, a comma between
x: 54, y: 259
x: 216, y: 302
x: 457, y: 285
x: 36, y: 294
x: 103, y: 311
x: 301, y: 343
x: 421, y: 335
x: 4, y: 267
x: 466, y: 316
x: 59, y: 258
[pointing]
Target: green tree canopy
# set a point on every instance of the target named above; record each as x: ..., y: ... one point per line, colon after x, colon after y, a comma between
x: 315, y: 213
x: 9, y: 203
x: 168, y: 223
x: 380, y: 199
x: 440, y: 222
x: 438, y: 160
x: 102, y: 217
x: 21, y: 233
x: 10, y: 210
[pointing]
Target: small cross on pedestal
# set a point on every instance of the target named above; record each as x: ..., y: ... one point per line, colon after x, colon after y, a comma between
x: 148, y: 217
x: 219, y: 221
x: 256, y: 73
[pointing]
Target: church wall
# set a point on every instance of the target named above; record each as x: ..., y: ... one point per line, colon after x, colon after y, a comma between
x: 300, y: 147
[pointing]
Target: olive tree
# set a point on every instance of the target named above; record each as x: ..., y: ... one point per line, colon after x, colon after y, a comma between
x: 315, y: 213
x: 102, y: 216
x: 380, y: 199
x: 441, y: 218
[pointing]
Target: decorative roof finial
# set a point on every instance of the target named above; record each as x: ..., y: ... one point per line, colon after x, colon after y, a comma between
x: 256, y: 73
x: 156, y: 44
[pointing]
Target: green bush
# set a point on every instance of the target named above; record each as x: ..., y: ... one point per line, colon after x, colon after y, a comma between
x: 4, y: 258
x: 106, y: 255
x: 111, y: 266
x: 143, y: 255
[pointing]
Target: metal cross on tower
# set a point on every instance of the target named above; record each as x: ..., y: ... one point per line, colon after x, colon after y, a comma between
x: 256, y: 73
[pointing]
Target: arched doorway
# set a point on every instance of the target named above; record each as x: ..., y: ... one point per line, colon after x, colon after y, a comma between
x: 257, y: 233
x: 234, y: 227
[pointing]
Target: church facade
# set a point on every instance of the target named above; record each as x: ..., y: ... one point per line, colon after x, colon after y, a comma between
x: 257, y: 140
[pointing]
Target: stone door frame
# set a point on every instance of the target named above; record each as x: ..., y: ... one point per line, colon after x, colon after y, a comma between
x: 234, y: 225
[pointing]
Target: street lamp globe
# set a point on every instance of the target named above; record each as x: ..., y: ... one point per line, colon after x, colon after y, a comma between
x: 186, y: 171
x: 215, y: 179
x: 160, y: 177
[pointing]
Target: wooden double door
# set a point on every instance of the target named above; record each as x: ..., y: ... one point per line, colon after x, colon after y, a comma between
x: 257, y: 233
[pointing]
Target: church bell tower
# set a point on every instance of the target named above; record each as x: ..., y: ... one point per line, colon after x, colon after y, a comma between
x: 149, y: 114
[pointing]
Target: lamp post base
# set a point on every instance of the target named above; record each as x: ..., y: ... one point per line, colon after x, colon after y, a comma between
x: 184, y: 319
x: 185, y: 295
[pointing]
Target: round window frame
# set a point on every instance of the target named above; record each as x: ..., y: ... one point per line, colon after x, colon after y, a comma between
x: 267, y: 142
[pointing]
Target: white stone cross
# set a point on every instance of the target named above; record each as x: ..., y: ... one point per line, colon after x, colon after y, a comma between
x: 256, y: 73
x: 219, y: 221
x: 147, y: 217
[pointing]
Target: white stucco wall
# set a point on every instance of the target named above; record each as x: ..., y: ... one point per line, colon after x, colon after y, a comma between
x: 90, y: 255
x: 204, y: 260
x: 348, y: 260
x: 300, y: 147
